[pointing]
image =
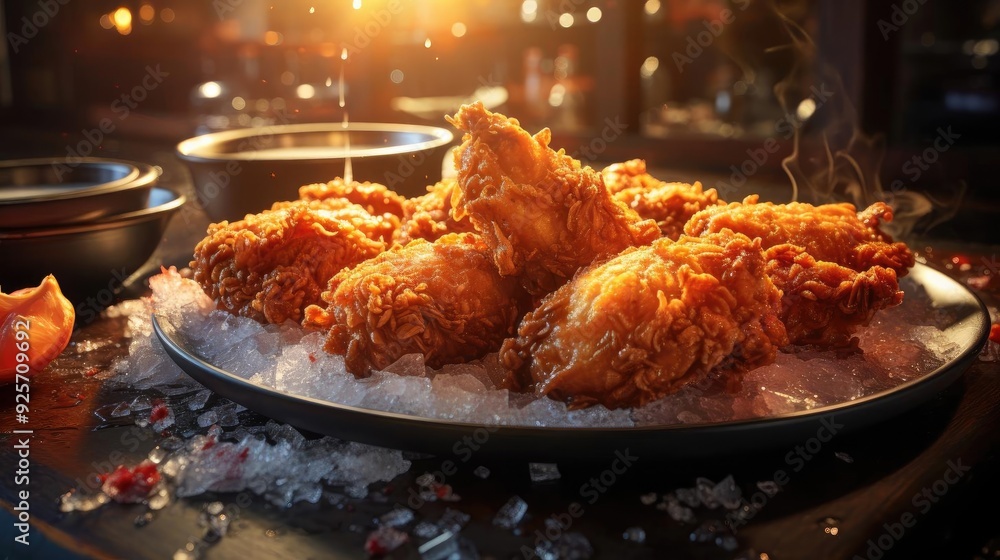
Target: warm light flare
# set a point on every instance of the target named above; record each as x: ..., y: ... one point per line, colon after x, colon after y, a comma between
x: 305, y: 91
x: 357, y: 4
x: 427, y: 43
x: 122, y: 18
x: 167, y: 15
x: 147, y: 13
x: 210, y: 90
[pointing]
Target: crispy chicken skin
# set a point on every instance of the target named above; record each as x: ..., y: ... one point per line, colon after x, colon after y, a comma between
x: 670, y: 204
x: 541, y: 213
x: 834, y: 265
x: 444, y: 300
x: 376, y: 199
x: 429, y: 216
x: 270, y: 266
x: 649, y: 321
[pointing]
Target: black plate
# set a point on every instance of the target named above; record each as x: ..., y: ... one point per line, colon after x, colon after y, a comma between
x: 401, y: 431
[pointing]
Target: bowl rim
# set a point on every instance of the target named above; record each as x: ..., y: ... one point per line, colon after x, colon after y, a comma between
x: 111, y: 222
x: 140, y: 175
x: 188, y: 149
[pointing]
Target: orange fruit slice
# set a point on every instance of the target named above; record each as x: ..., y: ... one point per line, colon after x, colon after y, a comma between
x: 35, y: 327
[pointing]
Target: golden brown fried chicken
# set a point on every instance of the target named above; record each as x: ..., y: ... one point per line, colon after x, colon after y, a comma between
x: 670, y: 204
x: 444, y: 300
x: 376, y: 199
x: 649, y: 321
x: 541, y: 213
x: 834, y: 265
x: 270, y: 266
x: 382, y: 227
x: 429, y: 216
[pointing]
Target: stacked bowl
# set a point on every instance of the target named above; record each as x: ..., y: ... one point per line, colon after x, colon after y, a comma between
x: 91, y: 222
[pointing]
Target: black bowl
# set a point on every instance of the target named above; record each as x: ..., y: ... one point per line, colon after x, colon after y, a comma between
x: 51, y: 191
x: 91, y: 260
x: 240, y: 172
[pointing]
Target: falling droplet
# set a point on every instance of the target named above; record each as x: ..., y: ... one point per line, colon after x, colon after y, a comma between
x: 312, y: 9
x: 357, y: 4
x: 343, y: 54
x: 329, y: 81
x: 427, y: 43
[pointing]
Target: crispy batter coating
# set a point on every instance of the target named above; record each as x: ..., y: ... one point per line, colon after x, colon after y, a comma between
x: 670, y: 204
x: 429, y: 216
x: 834, y: 265
x: 376, y: 199
x: 649, y: 321
x: 381, y: 227
x: 270, y: 266
x: 444, y: 300
x: 542, y: 214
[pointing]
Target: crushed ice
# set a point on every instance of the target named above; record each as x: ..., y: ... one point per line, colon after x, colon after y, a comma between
x: 901, y: 344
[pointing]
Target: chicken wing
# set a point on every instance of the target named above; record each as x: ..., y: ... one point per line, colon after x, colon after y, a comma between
x: 649, y: 321
x: 429, y: 216
x: 670, y: 204
x: 444, y: 300
x: 542, y: 214
x: 834, y: 265
x: 270, y: 266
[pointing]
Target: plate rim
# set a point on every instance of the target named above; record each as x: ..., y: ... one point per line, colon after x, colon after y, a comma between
x: 931, y: 382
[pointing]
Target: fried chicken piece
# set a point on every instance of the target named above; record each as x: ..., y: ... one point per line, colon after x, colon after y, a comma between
x: 429, y: 216
x: 375, y: 198
x: 834, y: 265
x: 381, y: 227
x: 270, y: 266
x: 649, y: 321
x: 670, y: 204
x: 444, y: 300
x: 542, y: 214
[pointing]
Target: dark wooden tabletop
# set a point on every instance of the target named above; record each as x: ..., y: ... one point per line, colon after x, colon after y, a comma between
x: 923, y: 484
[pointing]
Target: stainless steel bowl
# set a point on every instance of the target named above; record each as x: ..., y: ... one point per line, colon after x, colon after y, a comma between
x: 51, y: 191
x: 90, y: 260
x: 239, y: 172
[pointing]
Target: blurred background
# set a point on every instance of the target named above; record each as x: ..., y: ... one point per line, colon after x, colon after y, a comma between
x: 874, y: 99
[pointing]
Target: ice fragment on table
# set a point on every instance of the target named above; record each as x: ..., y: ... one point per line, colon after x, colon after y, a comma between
x: 543, y: 472
x: 453, y: 520
x: 396, y: 517
x: 215, y: 521
x: 844, y: 457
x: 728, y: 493
x: 569, y: 546
x: 727, y: 542
x: 707, y: 531
x: 768, y: 487
x: 131, y: 485
x: 511, y: 513
x: 384, y: 540
x: 635, y: 534
x: 482, y: 472
x: 161, y: 417
x: 122, y: 409
x: 208, y: 418
x: 426, y: 530
x: 141, y: 402
x: 197, y: 402
x: 675, y: 510
x: 159, y: 500
x: 78, y: 501
x: 706, y: 492
x: 441, y: 547
x: 688, y: 496
x: 648, y: 499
